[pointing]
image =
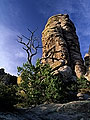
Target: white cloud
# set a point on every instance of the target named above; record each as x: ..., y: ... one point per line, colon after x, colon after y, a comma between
x: 10, y: 51
x: 20, y: 54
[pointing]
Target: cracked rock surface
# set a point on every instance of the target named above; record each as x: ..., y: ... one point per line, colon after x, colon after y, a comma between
x: 76, y: 110
x: 61, y: 45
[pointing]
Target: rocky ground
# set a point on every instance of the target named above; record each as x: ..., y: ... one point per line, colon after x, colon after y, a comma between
x: 76, y: 110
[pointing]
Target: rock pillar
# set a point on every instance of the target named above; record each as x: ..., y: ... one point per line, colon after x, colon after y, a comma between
x: 60, y: 44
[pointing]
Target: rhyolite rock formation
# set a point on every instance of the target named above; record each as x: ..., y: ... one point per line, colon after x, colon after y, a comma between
x: 87, y: 65
x: 61, y: 46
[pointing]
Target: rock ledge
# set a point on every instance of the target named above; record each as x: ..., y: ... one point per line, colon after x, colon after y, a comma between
x: 76, y: 110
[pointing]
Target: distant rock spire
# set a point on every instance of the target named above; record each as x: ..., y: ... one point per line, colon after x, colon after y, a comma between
x: 89, y: 50
x: 87, y: 64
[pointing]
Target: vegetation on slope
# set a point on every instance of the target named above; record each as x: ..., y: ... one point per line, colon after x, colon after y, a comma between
x: 39, y: 85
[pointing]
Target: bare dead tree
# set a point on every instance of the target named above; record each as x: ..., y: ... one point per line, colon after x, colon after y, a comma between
x: 31, y: 46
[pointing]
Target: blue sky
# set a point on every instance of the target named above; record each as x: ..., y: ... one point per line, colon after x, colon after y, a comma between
x: 18, y: 15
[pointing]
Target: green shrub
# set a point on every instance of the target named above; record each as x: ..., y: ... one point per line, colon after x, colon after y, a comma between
x: 39, y: 85
x: 8, y: 97
x: 83, y: 85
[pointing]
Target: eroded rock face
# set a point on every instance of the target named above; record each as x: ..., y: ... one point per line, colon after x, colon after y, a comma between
x: 87, y: 65
x: 61, y: 45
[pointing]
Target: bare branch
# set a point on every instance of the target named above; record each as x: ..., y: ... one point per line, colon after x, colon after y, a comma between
x: 30, y: 31
x: 20, y: 41
x: 19, y: 37
x: 25, y: 49
x: 33, y: 31
x: 31, y: 46
x: 26, y: 37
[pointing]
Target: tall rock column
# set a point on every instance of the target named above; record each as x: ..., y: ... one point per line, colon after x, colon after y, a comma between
x: 61, y: 45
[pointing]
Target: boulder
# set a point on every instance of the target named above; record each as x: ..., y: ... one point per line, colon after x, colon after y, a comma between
x: 83, y: 96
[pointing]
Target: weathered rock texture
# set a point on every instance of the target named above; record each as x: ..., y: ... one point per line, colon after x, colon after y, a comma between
x: 77, y: 110
x: 61, y: 45
x: 87, y: 64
